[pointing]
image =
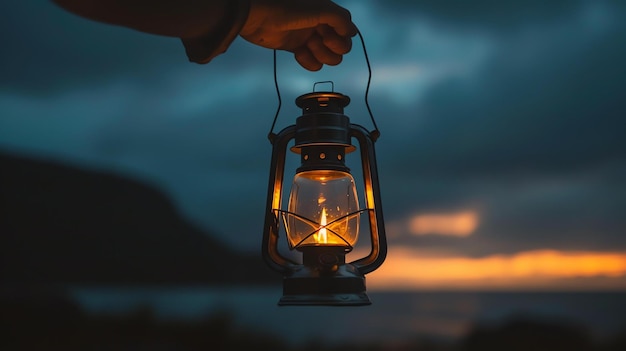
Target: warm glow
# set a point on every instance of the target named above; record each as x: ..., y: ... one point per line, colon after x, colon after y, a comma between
x: 321, y: 236
x: 323, y: 209
x: 369, y: 198
x: 276, y: 197
x: 454, y: 224
x: 532, y: 269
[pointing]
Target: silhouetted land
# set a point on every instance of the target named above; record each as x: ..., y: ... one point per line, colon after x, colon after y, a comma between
x: 61, y: 224
x: 33, y: 319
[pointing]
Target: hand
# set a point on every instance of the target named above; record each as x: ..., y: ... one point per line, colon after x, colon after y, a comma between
x: 318, y: 32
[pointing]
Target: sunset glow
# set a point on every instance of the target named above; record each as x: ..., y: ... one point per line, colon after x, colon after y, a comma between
x: 454, y: 224
x: 530, y: 269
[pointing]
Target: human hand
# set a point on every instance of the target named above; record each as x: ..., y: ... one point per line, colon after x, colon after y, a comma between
x: 317, y: 32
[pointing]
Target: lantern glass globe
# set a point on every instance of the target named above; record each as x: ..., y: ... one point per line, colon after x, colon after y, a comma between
x: 323, y: 210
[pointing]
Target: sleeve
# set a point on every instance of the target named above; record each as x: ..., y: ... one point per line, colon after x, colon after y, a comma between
x: 204, y: 48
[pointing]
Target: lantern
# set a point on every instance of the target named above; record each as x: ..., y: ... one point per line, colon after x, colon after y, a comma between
x: 322, y: 217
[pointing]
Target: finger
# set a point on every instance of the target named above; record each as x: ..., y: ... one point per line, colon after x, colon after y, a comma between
x: 306, y: 59
x: 336, y: 43
x: 339, y: 19
x: 321, y: 52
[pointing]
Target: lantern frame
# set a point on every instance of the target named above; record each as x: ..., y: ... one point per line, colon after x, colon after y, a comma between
x: 324, y: 278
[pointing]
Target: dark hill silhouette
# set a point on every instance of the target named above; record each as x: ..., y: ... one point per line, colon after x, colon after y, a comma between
x: 62, y: 224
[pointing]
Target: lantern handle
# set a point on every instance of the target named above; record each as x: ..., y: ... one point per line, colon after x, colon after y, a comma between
x: 332, y: 85
x: 271, y: 135
x: 374, y: 134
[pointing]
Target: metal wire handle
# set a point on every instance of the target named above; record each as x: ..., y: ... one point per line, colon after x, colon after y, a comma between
x: 374, y: 133
x: 332, y: 85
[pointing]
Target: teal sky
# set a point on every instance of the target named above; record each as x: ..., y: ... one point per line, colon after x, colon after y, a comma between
x: 514, y: 111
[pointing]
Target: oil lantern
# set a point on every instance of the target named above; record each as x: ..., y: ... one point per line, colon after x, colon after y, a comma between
x: 322, y: 216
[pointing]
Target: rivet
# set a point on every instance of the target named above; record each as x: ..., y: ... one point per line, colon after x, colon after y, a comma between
x: 306, y: 157
x: 322, y: 156
x: 339, y: 157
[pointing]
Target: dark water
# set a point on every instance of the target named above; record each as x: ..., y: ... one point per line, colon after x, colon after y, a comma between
x: 393, y: 315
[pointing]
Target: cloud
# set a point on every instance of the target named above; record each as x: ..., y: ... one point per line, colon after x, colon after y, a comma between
x: 47, y: 49
x: 534, y: 138
x: 461, y: 224
x: 548, y: 99
x: 484, y: 13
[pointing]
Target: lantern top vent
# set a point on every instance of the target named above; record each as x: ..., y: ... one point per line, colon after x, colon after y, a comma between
x: 322, y: 101
x: 323, y: 122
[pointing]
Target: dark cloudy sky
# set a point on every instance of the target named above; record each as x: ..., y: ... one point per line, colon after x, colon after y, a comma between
x: 508, y: 117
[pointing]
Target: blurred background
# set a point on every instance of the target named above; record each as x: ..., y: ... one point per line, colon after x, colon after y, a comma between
x: 133, y: 183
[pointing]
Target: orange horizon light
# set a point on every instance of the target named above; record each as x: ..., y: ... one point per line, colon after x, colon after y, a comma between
x: 406, y: 268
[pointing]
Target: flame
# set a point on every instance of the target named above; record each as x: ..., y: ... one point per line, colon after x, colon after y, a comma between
x: 322, y: 236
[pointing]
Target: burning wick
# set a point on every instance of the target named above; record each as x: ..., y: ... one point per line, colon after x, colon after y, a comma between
x: 322, y: 237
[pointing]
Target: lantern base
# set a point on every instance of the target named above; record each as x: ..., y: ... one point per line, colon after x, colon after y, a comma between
x: 325, y: 300
x: 309, y: 286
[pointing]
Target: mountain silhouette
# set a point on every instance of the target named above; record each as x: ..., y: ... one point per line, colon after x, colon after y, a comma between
x: 61, y: 224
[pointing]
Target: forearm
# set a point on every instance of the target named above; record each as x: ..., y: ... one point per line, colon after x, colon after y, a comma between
x: 175, y: 18
x: 317, y: 32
